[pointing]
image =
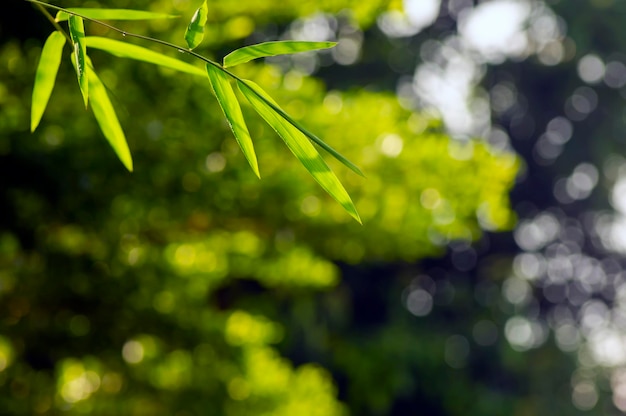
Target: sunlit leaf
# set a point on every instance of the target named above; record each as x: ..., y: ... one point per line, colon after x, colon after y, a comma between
x: 248, y: 53
x: 313, y: 137
x: 127, y: 50
x: 195, y: 31
x: 320, y: 142
x: 107, y: 119
x: 220, y: 82
x: 46, y: 75
x: 77, y: 33
x: 299, y: 145
x: 112, y: 14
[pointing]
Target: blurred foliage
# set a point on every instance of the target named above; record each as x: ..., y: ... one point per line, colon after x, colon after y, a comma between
x: 170, y: 290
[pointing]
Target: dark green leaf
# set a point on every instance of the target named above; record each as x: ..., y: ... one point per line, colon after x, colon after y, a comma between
x: 248, y: 53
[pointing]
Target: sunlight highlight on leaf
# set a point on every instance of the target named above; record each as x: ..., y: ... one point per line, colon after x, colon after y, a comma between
x: 127, y: 50
x: 248, y: 53
x: 268, y: 101
x: 220, y: 83
x: 46, y: 75
x: 77, y: 33
x: 112, y: 14
x: 341, y: 158
x: 299, y: 145
x: 107, y: 120
x: 195, y: 31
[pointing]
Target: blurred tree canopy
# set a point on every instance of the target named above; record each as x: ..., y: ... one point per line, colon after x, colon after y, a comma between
x: 179, y: 288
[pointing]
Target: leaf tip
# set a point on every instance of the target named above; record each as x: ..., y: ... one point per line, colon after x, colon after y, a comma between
x: 251, y: 157
x: 353, y: 213
x: 253, y: 164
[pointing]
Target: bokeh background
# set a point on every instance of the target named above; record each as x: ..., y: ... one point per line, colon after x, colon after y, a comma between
x: 487, y: 278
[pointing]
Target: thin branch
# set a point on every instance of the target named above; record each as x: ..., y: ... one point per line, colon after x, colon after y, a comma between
x: 56, y: 24
x: 274, y: 107
x: 123, y: 32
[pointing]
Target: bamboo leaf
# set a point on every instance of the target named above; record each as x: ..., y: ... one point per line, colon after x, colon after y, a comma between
x: 127, y: 50
x: 223, y: 90
x: 299, y: 145
x: 320, y: 142
x: 77, y: 33
x: 248, y: 53
x: 195, y: 31
x: 111, y: 14
x: 45, y: 76
x: 311, y: 136
x: 107, y: 120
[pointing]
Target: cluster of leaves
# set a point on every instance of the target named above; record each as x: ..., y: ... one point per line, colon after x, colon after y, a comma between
x: 154, y: 263
x: 181, y: 288
x: 296, y: 137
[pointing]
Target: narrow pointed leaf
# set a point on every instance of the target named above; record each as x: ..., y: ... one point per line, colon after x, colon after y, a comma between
x: 111, y: 14
x: 107, y: 120
x: 77, y: 33
x: 220, y: 82
x: 46, y: 76
x: 127, y: 50
x: 341, y: 158
x: 195, y: 31
x: 299, y: 145
x: 248, y: 53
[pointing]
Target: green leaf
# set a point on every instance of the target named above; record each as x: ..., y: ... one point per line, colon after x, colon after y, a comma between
x: 220, y: 82
x: 299, y: 145
x: 195, y: 31
x: 311, y: 136
x: 341, y: 158
x: 77, y: 33
x: 127, y: 50
x: 46, y: 75
x: 107, y: 120
x: 248, y: 53
x: 111, y: 14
